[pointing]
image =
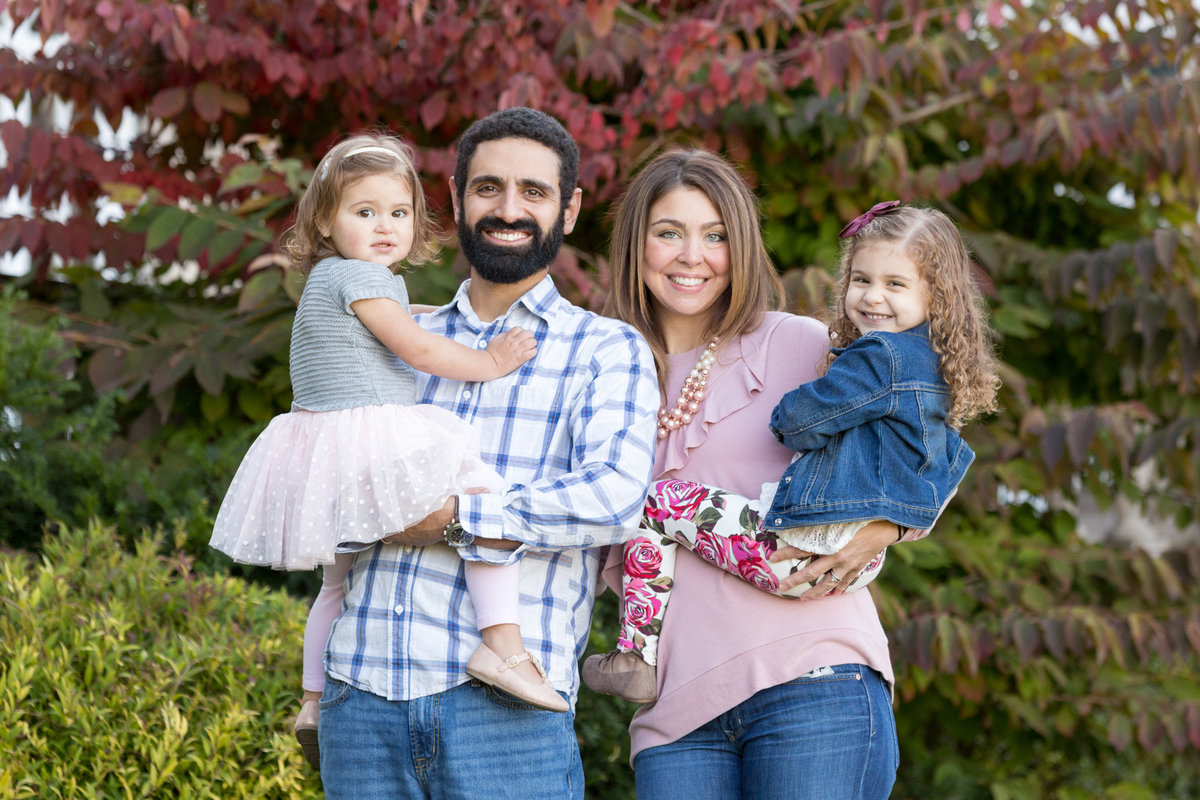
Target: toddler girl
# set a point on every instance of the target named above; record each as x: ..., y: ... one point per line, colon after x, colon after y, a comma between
x: 356, y: 460
x: 877, y: 435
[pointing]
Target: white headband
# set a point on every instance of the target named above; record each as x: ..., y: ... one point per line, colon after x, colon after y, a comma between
x: 371, y: 148
x: 366, y: 148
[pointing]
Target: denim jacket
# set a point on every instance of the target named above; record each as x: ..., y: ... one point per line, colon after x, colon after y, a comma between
x: 873, y: 438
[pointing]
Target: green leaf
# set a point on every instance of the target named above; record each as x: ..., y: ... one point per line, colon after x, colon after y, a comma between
x: 196, y: 235
x: 223, y: 245
x: 246, y: 174
x: 165, y: 222
x: 262, y: 286
x: 208, y: 373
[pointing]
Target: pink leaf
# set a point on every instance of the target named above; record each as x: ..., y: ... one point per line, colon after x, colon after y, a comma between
x: 433, y: 110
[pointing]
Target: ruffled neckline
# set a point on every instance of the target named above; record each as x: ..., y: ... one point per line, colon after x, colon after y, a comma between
x: 738, y: 374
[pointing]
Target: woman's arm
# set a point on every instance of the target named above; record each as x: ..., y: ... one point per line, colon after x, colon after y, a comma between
x: 856, y: 554
x: 437, y: 355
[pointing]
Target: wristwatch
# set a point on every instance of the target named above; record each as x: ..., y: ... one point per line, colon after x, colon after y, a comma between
x: 454, y: 533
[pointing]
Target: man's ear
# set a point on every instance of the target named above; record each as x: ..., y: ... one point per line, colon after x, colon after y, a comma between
x: 454, y: 198
x: 572, y: 211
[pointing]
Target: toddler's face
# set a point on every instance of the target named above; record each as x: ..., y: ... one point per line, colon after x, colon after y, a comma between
x: 885, y: 292
x: 374, y: 220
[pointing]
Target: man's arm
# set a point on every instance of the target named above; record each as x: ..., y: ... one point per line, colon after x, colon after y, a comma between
x: 599, y: 500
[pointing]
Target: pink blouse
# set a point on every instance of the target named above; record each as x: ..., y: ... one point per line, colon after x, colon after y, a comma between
x: 723, y: 640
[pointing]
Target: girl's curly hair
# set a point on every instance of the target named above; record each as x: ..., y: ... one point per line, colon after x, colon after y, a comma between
x: 303, y: 243
x: 958, y: 329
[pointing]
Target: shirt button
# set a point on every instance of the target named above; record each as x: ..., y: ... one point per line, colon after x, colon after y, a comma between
x: 399, y: 609
x: 466, y: 394
x: 778, y: 520
x: 407, y: 549
x: 481, y: 344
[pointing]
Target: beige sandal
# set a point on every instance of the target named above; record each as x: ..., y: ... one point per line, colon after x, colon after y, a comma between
x: 484, y: 665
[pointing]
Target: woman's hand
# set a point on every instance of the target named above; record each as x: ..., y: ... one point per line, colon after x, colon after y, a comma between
x: 845, y: 563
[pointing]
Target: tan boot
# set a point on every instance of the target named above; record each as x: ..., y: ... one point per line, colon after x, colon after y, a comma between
x: 622, y: 674
x: 489, y: 668
x: 306, y: 731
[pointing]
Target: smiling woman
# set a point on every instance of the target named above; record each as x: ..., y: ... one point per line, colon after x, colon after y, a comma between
x: 691, y: 273
x: 687, y: 264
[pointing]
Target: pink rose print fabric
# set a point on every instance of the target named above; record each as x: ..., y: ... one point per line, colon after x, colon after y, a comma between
x: 722, y: 528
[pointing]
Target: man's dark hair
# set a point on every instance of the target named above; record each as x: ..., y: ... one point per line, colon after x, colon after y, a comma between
x: 520, y: 123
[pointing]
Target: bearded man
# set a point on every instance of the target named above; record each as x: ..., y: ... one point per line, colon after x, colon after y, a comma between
x: 572, y: 433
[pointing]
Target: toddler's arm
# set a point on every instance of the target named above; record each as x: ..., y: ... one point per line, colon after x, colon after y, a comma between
x: 437, y: 355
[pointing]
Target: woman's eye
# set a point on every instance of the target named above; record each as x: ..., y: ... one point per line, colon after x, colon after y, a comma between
x: 715, y: 237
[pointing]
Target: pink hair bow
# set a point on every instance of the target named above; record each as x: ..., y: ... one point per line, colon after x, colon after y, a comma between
x: 858, y: 223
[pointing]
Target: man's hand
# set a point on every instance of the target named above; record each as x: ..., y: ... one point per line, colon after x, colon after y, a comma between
x: 845, y: 563
x: 428, y: 531
x: 431, y: 530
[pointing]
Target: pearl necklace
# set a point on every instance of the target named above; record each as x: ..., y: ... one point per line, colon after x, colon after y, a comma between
x: 688, y: 402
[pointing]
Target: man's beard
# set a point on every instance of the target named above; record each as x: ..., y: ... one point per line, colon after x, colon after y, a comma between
x: 499, y: 264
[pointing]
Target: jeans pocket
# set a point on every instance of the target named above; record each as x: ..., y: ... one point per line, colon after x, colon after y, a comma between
x: 336, y: 692
x: 504, y: 699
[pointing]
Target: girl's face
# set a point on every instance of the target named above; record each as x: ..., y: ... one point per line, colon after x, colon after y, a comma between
x: 886, y: 292
x: 686, y: 257
x: 374, y: 220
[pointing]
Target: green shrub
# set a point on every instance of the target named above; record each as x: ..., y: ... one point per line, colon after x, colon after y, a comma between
x: 130, y: 675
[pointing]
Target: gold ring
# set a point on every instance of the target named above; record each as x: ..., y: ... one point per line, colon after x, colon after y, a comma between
x: 833, y: 577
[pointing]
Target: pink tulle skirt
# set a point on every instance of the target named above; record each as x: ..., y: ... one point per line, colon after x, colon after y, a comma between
x: 315, y: 480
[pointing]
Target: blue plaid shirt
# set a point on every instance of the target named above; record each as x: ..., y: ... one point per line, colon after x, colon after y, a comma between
x: 572, y: 432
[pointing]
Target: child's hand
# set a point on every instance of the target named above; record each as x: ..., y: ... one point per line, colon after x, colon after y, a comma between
x: 512, y: 348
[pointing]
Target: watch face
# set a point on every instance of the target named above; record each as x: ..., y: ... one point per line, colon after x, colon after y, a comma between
x: 456, y: 536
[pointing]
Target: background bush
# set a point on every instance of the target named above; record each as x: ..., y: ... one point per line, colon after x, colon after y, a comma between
x: 129, y: 674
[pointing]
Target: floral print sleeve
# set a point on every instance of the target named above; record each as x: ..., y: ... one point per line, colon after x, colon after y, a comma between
x: 722, y: 528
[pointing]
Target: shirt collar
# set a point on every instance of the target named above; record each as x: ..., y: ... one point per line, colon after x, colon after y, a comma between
x: 543, y: 301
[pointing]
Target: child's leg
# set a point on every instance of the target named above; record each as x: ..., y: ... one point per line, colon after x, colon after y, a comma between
x: 320, y: 620
x: 316, y: 635
x: 725, y: 529
x: 631, y: 670
x: 503, y: 660
x: 646, y: 582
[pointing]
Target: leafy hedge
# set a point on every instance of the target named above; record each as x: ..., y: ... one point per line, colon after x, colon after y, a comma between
x: 131, y: 675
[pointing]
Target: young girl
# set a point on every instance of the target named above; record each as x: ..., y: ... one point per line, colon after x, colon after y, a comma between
x: 356, y: 460
x: 877, y: 434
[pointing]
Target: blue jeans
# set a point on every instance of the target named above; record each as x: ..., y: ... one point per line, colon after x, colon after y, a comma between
x: 815, y: 738
x: 469, y: 742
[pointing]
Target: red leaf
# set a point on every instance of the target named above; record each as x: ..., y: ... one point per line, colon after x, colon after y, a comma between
x: 1149, y: 730
x: 168, y: 103
x: 206, y: 98
x: 1081, y: 430
x: 1120, y: 732
x: 995, y: 13
x: 215, y: 49
x: 235, y: 103
x: 419, y: 7
x: 602, y: 16
x: 963, y: 20
x: 433, y: 110
x: 39, y: 149
x: 12, y: 133
x: 31, y: 234
x: 106, y: 370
